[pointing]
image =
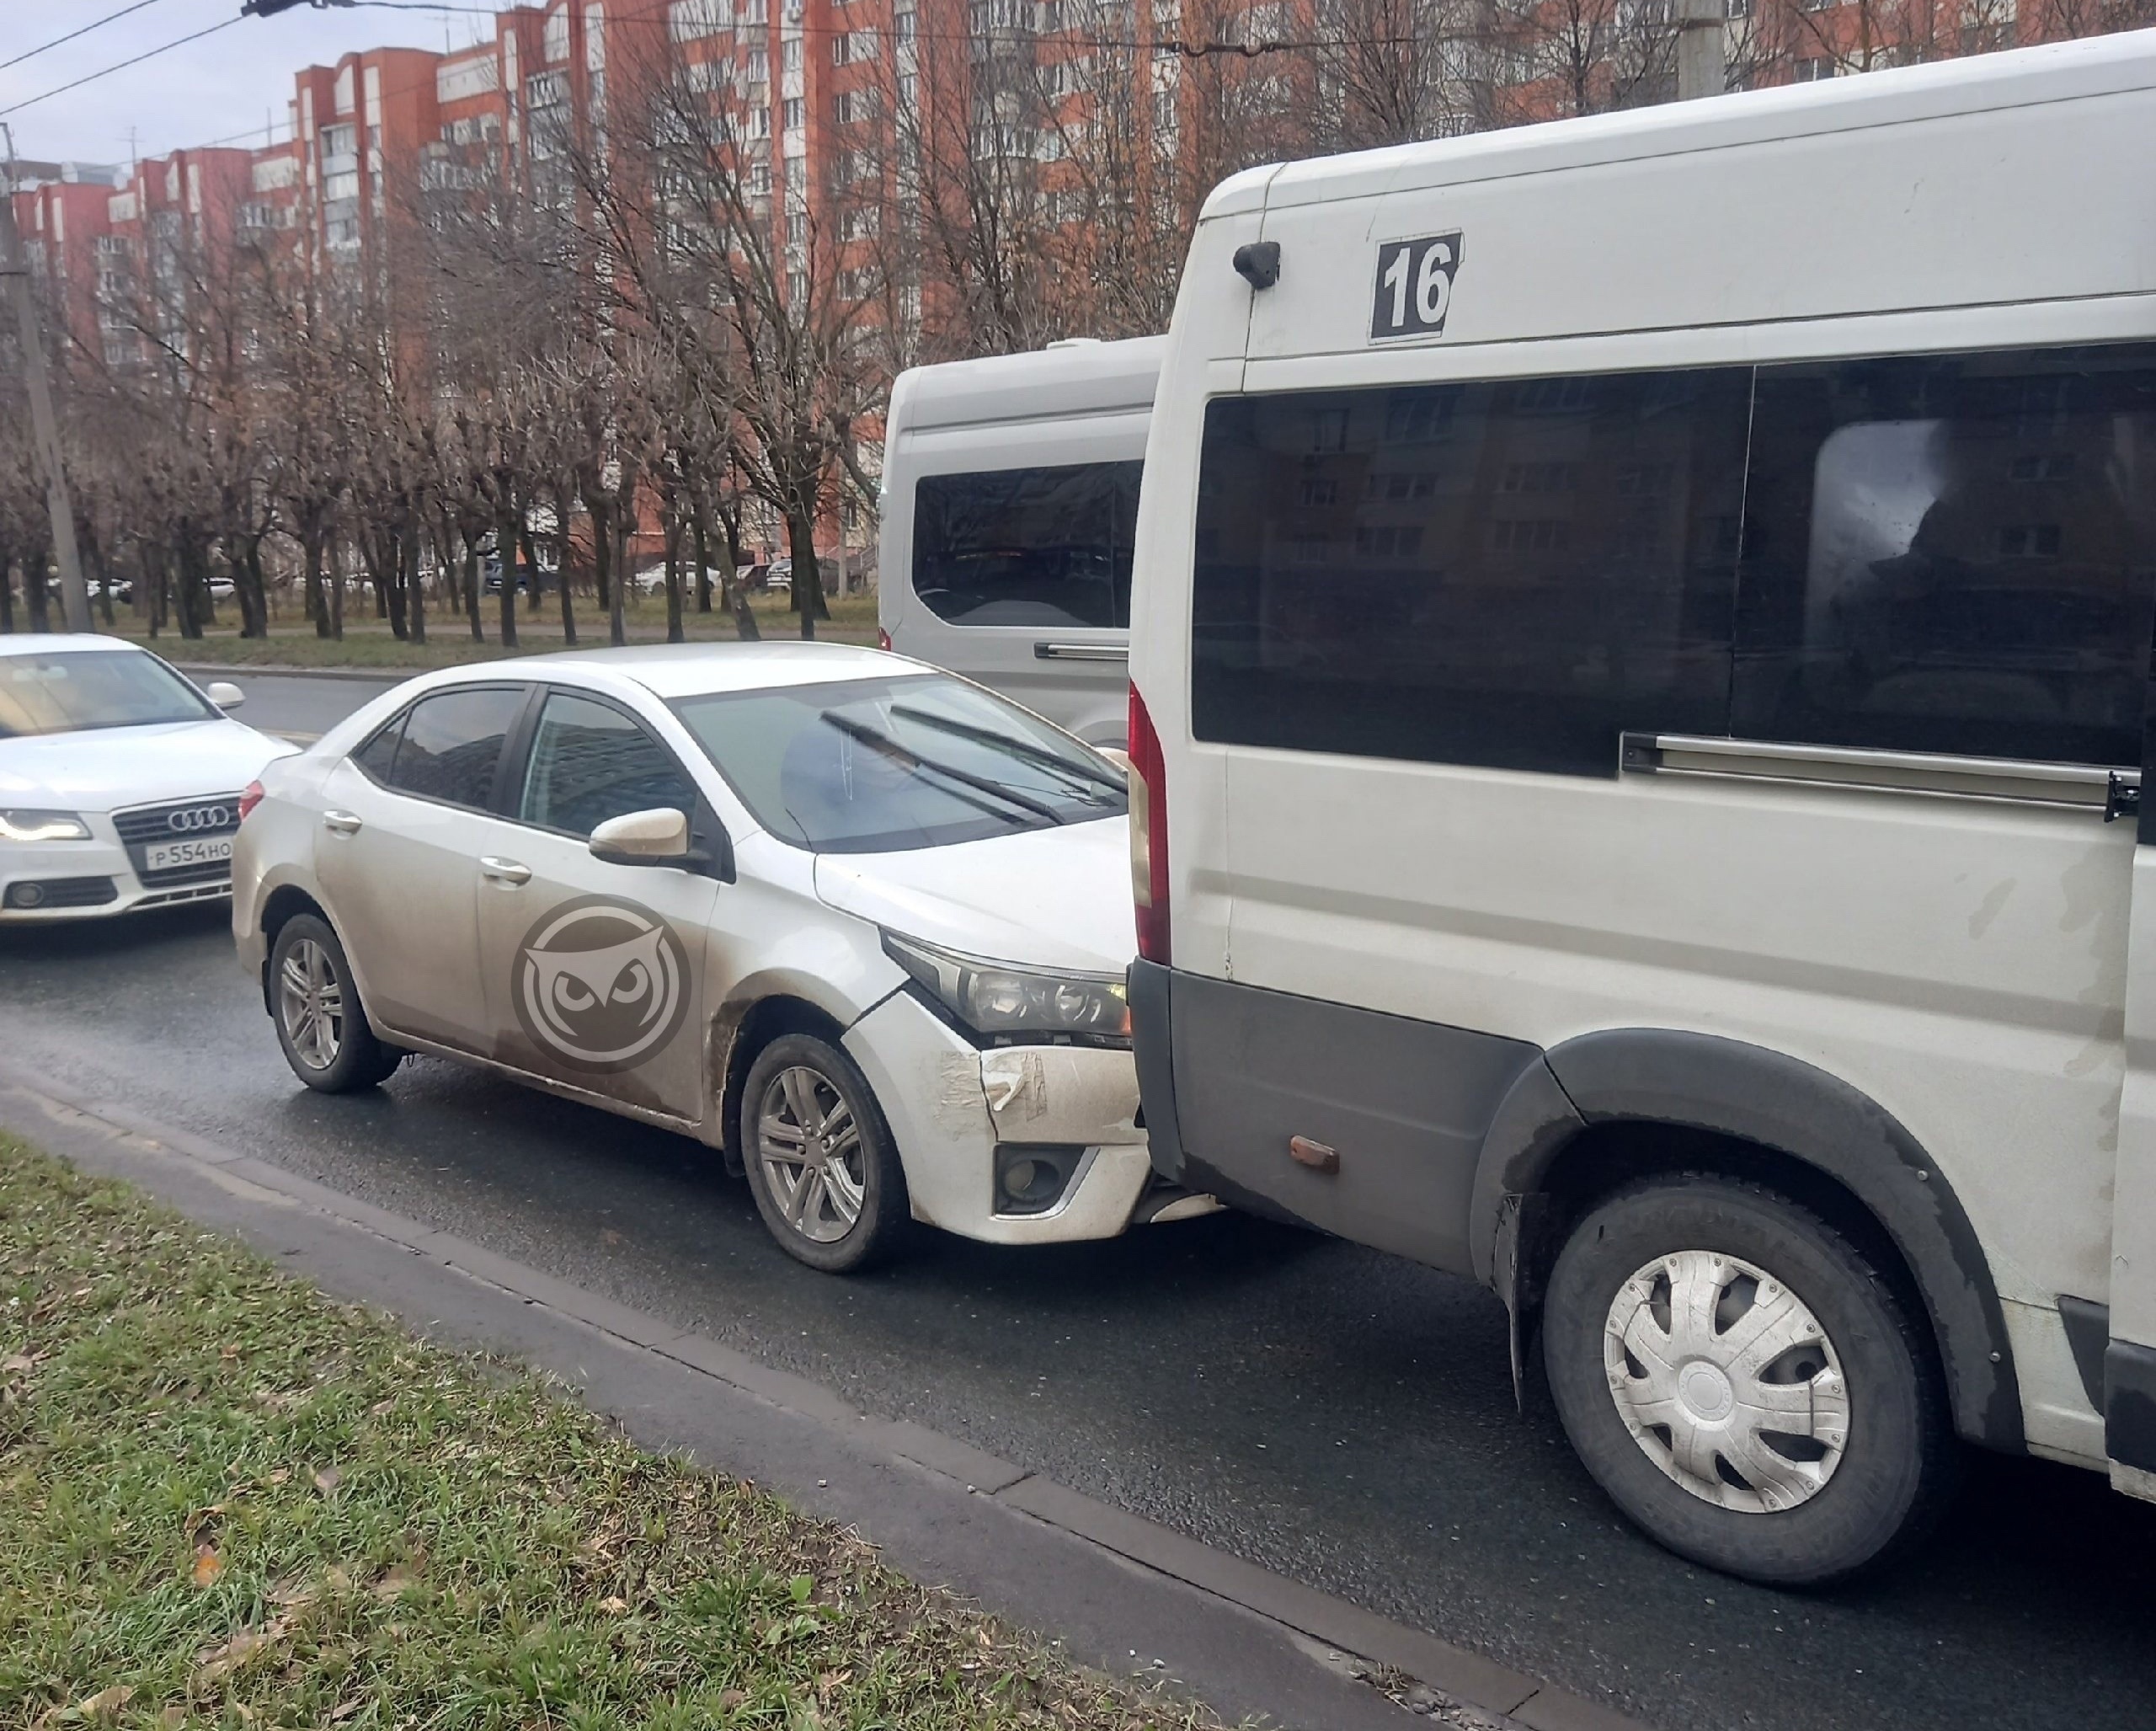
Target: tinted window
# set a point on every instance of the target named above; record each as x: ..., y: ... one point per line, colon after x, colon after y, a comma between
x: 1506, y: 572
x: 1043, y: 546
x: 590, y: 763
x: 64, y: 693
x: 866, y: 766
x: 1956, y: 553
x: 451, y: 744
x: 378, y: 756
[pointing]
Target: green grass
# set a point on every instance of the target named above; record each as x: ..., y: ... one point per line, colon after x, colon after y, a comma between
x: 368, y: 642
x: 230, y: 1502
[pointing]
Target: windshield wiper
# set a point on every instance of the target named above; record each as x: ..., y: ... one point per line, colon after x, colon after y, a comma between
x: 889, y: 747
x: 1018, y: 748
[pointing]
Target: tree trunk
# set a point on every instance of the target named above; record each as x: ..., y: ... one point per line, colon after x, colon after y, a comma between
x: 383, y: 554
x: 808, y: 584
x: 602, y: 549
x: 253, y: 593
x: 531, y: 568
x: 317, y: 603
x: 701, y: 536
x: 7, y: 593
x: 155, y: 576
x: 734, y: 597
x: 506, y: 525
x: 415, y: 588
x: 194, y: 584
x: 472, y: 590
x: 673, y: 577
x: 337, y: 602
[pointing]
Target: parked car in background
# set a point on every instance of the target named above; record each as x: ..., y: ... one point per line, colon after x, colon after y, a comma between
x: 858, y: 924
x: 1625, y: 763
x: 1010, y: 503
x: 120, y: 780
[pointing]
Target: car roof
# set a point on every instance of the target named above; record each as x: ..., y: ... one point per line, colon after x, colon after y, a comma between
x: 693, y: 669
x: 61, y: 643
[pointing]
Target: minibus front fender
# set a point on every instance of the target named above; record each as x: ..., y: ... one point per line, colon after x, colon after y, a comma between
x: 1539, y: 1152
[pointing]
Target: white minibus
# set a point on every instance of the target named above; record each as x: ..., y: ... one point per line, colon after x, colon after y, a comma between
x: 1642, y: 687
x: 1010, y: 499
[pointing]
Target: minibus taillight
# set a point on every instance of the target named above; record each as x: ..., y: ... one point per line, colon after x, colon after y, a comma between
x: 1149, y: 833
x: 883, y: 639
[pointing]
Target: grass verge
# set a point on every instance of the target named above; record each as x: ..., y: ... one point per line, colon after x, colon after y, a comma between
x: 368, y: 642
x: 231, y: 1502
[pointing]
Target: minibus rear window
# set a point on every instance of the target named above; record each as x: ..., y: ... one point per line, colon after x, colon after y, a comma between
x: 1039, y: 547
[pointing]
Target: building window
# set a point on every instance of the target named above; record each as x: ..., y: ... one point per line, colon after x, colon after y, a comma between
x: 557, y: 36
x: 791, y: 114
x: 759, y: 66
x: 790, y: 55
x: 759, y: 179
x: 902, y: 26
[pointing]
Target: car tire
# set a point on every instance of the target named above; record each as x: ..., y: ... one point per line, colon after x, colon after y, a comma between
x: 1657, y: 1393
x: 820, y: 1161
x: 321, y: 1023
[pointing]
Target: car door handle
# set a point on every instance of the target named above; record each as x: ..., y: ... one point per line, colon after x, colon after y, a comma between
x: 341, y: 823
x: 504, y: 871
x: 1080, y: 652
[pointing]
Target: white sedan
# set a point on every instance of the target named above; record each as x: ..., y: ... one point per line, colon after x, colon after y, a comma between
x: 858, y: 924
x: 120, y: 780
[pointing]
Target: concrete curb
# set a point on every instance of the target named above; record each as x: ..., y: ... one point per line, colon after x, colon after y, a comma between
x: 229, y: 669
x: 1105, y: 1583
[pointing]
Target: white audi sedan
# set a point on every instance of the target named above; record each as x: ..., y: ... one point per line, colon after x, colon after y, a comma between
x: 120, y: 780
x: 858, y: 924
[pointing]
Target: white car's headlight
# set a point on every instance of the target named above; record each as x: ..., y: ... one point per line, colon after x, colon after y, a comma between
x: 42, y: 826
x: 1006, y: 1005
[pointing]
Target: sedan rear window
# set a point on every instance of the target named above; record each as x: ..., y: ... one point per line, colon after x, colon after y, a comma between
x: 58, y: 694
x: 878, y: 765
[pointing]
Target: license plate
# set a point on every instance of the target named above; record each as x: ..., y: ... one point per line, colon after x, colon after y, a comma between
x: 164, y: 856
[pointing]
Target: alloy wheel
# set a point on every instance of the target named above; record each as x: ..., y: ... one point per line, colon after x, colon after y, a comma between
x: 1726, y: 1381
x: 311, y: 1004
x: 812, y: 1154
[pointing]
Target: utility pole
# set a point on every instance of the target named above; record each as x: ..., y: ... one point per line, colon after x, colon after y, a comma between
x: 1699, y: 69
x: 14, y: 268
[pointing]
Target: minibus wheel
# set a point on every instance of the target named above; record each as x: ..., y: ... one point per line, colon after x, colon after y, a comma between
x: 1742, y: 1383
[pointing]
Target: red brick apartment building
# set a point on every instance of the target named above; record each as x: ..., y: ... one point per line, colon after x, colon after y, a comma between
x: 939, y: 106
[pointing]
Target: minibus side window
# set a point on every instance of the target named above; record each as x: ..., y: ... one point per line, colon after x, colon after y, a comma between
x: 1038, y: 546
x: 1507, y: 573
x: 1953, y: 553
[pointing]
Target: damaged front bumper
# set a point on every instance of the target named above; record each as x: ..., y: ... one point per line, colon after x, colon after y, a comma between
x: 1013, y: 1144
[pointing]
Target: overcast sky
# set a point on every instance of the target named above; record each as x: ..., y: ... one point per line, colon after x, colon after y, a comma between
x: 199, y: 94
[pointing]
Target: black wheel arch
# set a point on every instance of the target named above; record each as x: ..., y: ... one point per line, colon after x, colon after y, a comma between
x: 1742, y: 1095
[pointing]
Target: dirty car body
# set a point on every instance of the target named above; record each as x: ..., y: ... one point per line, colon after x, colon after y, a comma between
x: 893, y: 926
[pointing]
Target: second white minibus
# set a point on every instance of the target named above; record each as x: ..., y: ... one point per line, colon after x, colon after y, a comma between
x: 1009, y: 500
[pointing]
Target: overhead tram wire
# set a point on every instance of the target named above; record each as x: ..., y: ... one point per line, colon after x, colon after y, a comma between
x: 16, y: 108
x: 98, y: 24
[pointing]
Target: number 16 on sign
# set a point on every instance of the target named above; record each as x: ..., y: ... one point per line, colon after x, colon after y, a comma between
x: 1414, y: 286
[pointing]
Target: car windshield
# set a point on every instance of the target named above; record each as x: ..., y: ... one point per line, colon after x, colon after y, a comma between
x: 59, y: 694
x: 877, y: 766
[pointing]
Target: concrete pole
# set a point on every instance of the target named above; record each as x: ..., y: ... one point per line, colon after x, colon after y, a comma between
x: 14, y: 268
x: 1699, y: 69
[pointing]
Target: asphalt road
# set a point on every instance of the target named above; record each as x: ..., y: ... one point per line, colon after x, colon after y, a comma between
x: 297, y: 706
x: 1342, y: 1418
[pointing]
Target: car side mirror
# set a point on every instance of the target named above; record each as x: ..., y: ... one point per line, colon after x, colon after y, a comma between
x: 643, y: 838
x: 224, y: 694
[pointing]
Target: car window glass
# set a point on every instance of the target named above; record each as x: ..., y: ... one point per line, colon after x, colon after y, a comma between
x: 452, y: 744
x: 379, y: 755
x: 63, y: 693
x: 880, y: 764
x: 590, y: 763
x: 1953, y: 553
x: 1039, y: 547
x: 1507, y: 573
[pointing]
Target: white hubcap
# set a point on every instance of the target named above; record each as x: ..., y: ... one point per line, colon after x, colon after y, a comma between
x: 1727, y: 1381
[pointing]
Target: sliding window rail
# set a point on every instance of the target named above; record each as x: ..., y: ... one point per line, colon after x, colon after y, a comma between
x: 2079, y: 787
